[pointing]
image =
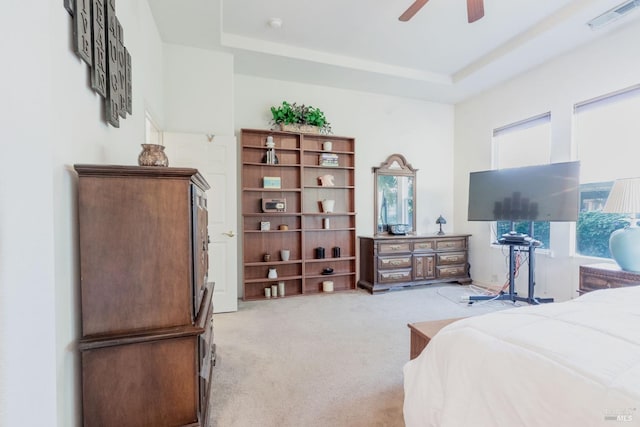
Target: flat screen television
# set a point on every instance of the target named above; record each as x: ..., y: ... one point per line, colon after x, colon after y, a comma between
x: 532, y: 193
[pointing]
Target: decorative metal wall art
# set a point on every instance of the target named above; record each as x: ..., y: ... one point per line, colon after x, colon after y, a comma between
x: 99, y: 69
x: 68, y: 4
x: 128, y: 80
x: 122, y: 71
x: 111, y: 101
x: 82, y: 30
x: 98, y: 39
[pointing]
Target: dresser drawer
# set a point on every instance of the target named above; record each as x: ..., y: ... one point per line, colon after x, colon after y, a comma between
x: 450, y: 258
x: 590, y: 282
x: 605, y: 276
x: 452, y: 271
x: 394, y: 263
x: 451, y: 244
x: 390, y: 248
x: 207, y: 351
x: 424, y: 246
x: 206, y: 339
x: 394, y: 276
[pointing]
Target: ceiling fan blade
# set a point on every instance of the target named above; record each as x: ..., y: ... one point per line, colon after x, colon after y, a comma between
x: 413, y: 9
x: 475, y: 10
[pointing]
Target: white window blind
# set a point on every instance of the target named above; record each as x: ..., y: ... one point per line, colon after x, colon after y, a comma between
x: 607, y: 132
x: 524, y: 143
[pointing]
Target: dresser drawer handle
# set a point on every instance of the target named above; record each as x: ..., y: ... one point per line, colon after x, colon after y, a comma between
x: 396, y: 262
x: 394, y: 247
x: 397, y: 275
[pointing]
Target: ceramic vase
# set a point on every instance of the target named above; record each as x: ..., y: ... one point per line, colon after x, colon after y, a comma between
x: 153, y: 155
x: 328, y: 205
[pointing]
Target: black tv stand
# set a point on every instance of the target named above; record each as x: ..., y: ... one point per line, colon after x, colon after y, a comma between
x: 524, y: 242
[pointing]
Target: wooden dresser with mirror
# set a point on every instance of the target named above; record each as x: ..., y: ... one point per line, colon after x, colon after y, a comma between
x: 396, y: 256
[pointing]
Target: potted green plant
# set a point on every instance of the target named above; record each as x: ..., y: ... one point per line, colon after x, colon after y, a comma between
x: 299, y: 118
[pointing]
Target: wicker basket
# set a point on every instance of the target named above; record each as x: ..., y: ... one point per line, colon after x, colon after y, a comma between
x: 296, y: 127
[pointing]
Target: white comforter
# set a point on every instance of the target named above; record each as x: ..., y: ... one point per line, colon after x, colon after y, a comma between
x: 575, y: 363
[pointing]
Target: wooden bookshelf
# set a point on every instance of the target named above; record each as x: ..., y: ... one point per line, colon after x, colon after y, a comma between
x: 299, y: 170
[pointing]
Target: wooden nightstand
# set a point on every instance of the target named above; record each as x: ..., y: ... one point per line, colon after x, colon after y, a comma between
x: 422, y: 332
x: 603, y: 276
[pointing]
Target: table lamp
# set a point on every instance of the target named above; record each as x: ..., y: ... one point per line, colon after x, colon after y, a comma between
x: 624, y: 243
x: 441, y: 221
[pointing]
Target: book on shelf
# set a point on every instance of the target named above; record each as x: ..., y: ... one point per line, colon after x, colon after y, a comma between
x: 328, y: 159
x: 271, y: 182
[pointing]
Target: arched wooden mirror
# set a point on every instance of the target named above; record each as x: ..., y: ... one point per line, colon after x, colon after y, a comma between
x: 395, y: 196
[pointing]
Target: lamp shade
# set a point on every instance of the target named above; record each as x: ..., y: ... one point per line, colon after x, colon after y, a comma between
x: 624, y: 197
x: 624, y: 244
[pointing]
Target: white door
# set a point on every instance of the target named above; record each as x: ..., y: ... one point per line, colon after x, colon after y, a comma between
x: 216, y: 161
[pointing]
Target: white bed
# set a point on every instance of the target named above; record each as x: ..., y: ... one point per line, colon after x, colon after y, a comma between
x: 575, y: 363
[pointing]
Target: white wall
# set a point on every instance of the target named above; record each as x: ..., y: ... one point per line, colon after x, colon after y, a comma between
x: 381, y: 125
x: 51, y: 120
x: 27, y: 310
x: 604, y: 66
x: 198, y: 90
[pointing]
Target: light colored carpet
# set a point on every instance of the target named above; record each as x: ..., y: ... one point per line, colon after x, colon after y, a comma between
x: 324, y: 360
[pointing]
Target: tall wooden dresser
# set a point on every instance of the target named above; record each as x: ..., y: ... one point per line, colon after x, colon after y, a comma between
x: 147, y: 336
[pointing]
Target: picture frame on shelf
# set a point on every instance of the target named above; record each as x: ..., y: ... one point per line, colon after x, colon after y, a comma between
x: 265, y: 226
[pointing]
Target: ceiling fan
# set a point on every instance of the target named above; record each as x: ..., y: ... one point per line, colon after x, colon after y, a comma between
x: 475, y: 10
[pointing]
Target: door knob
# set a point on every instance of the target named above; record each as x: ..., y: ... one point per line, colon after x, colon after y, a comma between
x: 229, y: 233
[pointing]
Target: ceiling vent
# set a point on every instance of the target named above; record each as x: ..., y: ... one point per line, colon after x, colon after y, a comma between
x: 613, y: 14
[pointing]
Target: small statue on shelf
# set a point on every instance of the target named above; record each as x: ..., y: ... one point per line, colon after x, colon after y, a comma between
x: 326, y: 180
x: 270, y: 157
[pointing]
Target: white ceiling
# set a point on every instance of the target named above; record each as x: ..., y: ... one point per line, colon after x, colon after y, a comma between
x: 361, y: 44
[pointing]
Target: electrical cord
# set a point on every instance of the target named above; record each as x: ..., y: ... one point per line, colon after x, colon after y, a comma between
x: 518, y: 263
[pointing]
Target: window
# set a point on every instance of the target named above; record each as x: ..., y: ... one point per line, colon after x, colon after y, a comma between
x: 524, y: 143
x: 607, y: 131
